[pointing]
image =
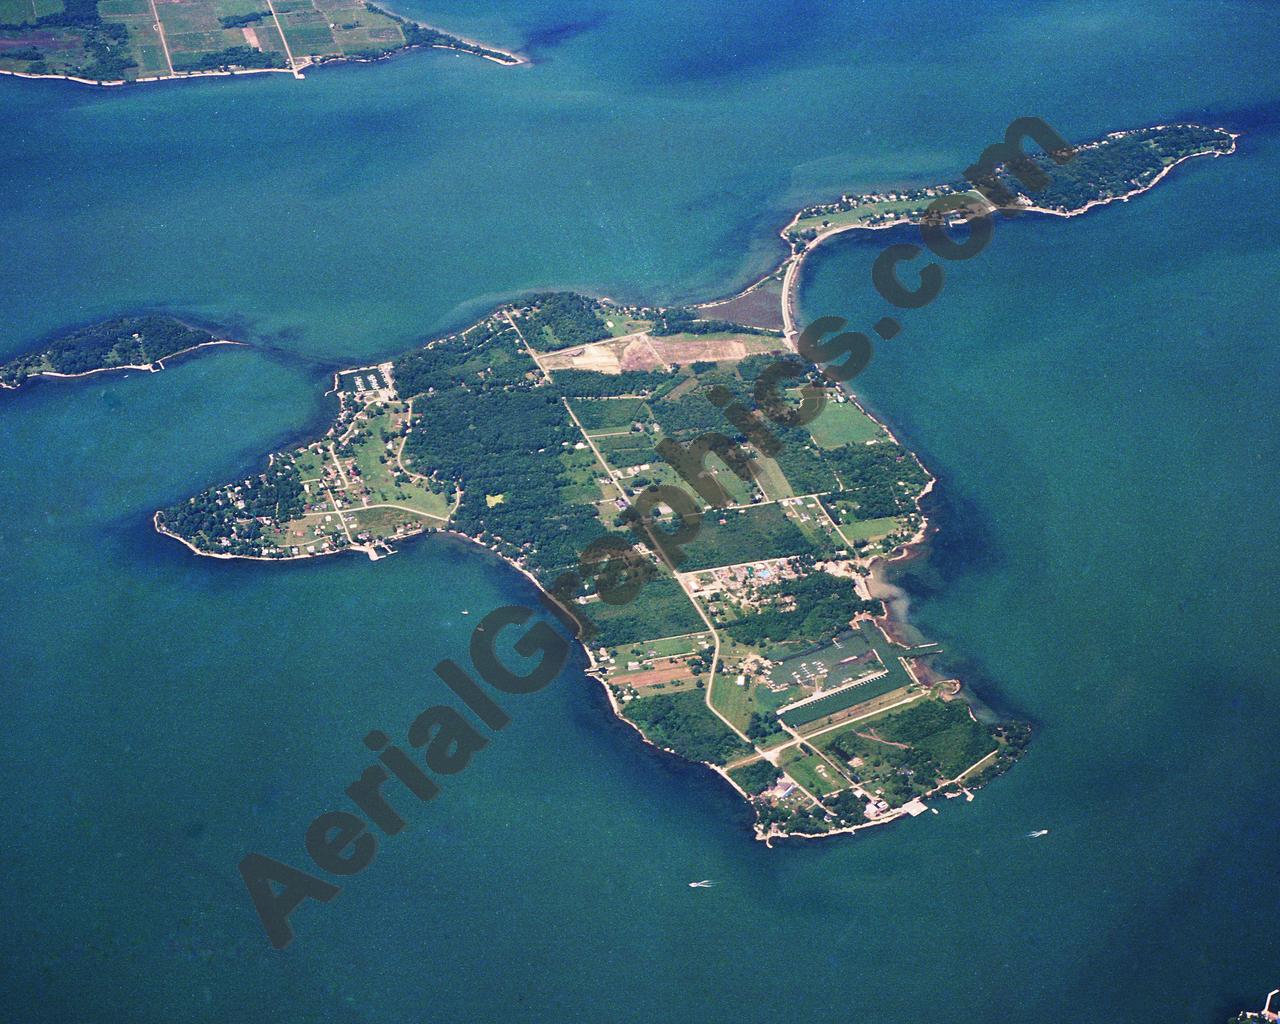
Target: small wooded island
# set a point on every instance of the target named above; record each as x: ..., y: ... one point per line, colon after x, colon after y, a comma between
x: 114, y: 42
x: 560, y: 425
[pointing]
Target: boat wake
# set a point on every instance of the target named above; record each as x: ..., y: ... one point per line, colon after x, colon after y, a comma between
x: 706, y: 883
x: 1037, y: 834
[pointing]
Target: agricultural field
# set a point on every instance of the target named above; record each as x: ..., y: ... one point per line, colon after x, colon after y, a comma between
x: 760, y: 306
x: 653, y: 352
x: 129, y: 40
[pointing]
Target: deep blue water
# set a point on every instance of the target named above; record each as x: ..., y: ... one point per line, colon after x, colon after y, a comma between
x: 1096, y: 396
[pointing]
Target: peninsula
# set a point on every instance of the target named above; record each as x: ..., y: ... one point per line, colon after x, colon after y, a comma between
x: 551, y: 427
x: 116, y: 42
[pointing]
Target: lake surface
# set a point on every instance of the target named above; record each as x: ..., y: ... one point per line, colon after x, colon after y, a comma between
x: 1096, y: 395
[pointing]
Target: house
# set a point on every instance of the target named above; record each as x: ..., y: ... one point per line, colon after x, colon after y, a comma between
x: 875, y: 808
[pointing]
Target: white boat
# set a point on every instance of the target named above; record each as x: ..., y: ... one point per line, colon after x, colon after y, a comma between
x: 1038, y: 833
x: 706, y: 883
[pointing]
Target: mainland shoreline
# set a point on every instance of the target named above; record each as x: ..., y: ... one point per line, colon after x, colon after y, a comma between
x: 296, y: 67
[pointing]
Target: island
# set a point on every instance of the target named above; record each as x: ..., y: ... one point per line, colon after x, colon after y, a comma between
x: 121, y: 343
x: 735, y: 614
x: 116, y: 42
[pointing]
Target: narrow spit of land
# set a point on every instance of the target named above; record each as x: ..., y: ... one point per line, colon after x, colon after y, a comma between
x: 759, y: 648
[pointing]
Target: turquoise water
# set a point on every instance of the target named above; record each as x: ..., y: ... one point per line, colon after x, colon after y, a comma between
x: 1096, y: 396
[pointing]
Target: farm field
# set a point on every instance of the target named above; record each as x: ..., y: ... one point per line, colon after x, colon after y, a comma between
x: 129, y: 40
x: 654, y: 352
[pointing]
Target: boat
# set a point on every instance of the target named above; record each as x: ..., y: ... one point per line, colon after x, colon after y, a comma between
x: 706, y: 883
x: 1038, y: 833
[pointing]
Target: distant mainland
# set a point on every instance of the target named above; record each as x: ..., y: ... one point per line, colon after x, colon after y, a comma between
x: 118, y: 42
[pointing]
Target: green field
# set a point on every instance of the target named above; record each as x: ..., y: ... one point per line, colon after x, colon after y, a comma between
x: 813, y: 772
x: 842, y: 701
x: 731, y: 700
x: 378, y: 471
x: 660, y: 609
x: 667, y: 647
x: 869, y: 529
x: 609, y: 413
x: 744, y: 535
x: 627, y: 450
x: 864, y: 213
x: 842, y: 423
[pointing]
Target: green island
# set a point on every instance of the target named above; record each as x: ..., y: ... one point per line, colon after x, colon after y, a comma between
x: 113, y: 42
x: 759, y: 645
x: 121, y: 343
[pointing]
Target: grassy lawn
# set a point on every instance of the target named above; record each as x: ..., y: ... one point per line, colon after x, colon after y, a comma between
x: 731, y: 700
x: 813, y: 773
x: 863, y: 213
x: 383, y: 522
x: 813, y: 523
x: 667, y: 647
x: 842, y: 423
x: 868, y: 529
x: 618, y: 324
x: 771, y: 479
x: 583, y: 471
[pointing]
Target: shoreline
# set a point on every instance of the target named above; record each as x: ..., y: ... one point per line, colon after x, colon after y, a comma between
x: 792, y: 265
x: 894, y: 619
x: 495, y: 54
x: 154, y: 367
